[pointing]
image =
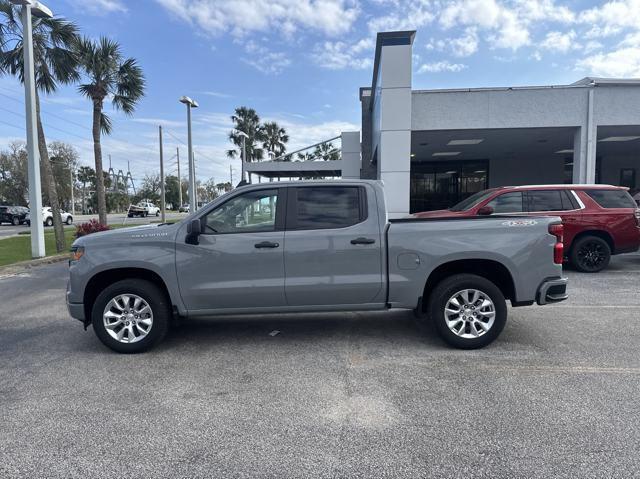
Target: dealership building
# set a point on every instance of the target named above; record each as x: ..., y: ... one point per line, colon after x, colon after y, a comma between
x: 433, y: 148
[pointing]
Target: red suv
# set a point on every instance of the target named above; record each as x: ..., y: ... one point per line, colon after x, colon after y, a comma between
x: 599, y: 220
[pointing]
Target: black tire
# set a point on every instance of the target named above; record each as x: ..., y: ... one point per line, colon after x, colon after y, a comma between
x: 590, y: 254
x: 15, y: 221
x: 69, y: 220
x: 48, y: 222
x: 156, y: 300
x: 157, y: 213
x: 446, y: 289
x: 130, y: 215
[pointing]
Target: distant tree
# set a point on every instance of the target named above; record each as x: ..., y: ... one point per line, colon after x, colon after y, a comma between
x: 108, y: 76
x: 275, y: 138
x: 306, y: 156
x: 171, y: 192
x: 246, y: 120
x: 13, y: 175
x: 63, y: 157
x: 55, y: 63
x: 150, y: 189
x: 210, y: 189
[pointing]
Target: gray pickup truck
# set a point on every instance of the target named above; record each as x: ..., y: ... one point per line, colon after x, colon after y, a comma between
x: 313, y: 246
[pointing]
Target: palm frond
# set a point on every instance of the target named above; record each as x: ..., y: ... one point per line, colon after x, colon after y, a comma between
x: 106, y: 125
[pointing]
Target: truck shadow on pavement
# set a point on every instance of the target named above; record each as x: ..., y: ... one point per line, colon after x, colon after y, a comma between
x: 399, y: 327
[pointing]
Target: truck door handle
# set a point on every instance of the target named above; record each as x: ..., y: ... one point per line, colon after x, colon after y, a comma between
x: 362, y: 240
x: 267, y: 244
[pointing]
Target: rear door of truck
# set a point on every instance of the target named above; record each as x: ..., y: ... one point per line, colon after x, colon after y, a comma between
x: 333, y: 241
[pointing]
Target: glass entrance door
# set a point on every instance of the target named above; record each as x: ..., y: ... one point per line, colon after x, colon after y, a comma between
x: 440, y: 185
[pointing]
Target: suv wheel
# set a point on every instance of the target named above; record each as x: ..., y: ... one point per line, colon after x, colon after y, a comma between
x: 69, y: 220
x: 590, y: 254
x: 48, y: 222
x: 15, y: 221
x: 131, y: 316
x: 468, y: 311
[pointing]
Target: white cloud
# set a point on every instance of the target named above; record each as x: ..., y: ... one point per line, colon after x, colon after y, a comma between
x: 271, y: 63
x: 159, y: 121
x: 216, y: 94
x: 408, y: 15
x: 559, y: 41
x: 100, y: 7
x: 465, y: 45
x: 622, y: 61
x: 329, y: 17
x: 612, y: 17
x: 265, y: 60
x: 443, y: 66
x: 341, y: 55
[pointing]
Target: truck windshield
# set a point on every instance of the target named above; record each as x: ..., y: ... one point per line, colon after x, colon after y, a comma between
x: 474, y: 199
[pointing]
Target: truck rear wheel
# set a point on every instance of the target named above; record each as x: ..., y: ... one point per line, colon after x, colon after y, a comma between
x: 131, y: 316
x: 468, y: 311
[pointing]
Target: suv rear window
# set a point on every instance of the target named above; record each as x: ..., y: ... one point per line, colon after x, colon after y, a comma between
x: 322, y: 207
x: 612, y: 198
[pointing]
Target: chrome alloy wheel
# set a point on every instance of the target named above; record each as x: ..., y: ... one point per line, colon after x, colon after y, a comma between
x: 127, y: 318
x: 469, y: 313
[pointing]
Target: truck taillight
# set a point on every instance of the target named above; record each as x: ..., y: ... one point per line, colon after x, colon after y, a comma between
x: 557, y: 230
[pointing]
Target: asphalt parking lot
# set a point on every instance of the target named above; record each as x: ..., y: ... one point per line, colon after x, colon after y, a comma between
x: 340, y: 395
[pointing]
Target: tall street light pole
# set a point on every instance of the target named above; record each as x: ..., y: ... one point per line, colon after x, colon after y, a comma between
x: 244, y: 152
x: 162, y: 195
x: 179, y: 179
x: 192, y: 178
x: 30, y: 7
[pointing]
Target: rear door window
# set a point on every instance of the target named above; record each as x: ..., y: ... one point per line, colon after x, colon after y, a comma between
x: 545, y: 200
x: 323, y: 207
x: 612, y: 198
x: 507, y: 203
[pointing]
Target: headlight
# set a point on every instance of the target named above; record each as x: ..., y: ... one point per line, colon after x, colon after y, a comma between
x: 76, y: 253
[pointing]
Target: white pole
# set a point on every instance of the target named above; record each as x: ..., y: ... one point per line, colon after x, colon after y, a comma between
x: 73, y: 201
x: 35, y: 195
x: 162, y: 204
x: 179, y: 179
x: 192, y: 186
x: 244, y: 156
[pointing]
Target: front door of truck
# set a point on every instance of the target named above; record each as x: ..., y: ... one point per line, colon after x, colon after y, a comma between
x: 239, y: 261
x: 332, y: 247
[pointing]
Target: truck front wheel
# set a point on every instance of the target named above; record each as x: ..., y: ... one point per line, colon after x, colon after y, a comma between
x: 468, y: 311
x: 131, y: 316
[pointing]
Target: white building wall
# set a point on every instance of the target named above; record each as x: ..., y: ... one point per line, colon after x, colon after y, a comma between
x: 351, y: 161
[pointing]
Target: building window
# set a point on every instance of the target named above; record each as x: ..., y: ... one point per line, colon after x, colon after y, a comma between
x: 440, y: 185
x: 628, y: 178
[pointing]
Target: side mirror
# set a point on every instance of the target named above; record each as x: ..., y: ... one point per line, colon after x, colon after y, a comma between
x: 485, y: 211
x: 194, y: 229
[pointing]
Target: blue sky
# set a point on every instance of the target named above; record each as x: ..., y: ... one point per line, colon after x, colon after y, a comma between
x: 301, y: 62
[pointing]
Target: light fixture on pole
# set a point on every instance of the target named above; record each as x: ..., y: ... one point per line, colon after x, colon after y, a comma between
x: 33, y: 163
x: 244, y: 152
x: 192, y: 176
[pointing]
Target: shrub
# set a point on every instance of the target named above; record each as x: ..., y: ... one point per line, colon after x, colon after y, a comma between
x: 91, y: 226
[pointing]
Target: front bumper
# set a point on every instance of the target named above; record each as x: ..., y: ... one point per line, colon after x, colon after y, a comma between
x: 552, y: 291
x: 76, y: 310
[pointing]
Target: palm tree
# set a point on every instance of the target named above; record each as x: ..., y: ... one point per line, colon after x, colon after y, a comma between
x: 246, y: 120
x: 326, y: 151
x: 275, y: 138
x: 55, y: 63
x: 107, y: 75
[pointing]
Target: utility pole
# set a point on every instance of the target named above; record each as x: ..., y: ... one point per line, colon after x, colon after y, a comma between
x: 194, y: 181
x: 73, y: 201
x: 162, y: 206
x: 231, y: 175
x: 179, y: 178
x: 33, y: 162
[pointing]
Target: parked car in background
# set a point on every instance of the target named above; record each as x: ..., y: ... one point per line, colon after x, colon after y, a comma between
x: 16, y: 215
x: 144, y: 208
x: 47, y: 217
x: 312, y: 246
x: 184, y: 208
x: 599, y: 220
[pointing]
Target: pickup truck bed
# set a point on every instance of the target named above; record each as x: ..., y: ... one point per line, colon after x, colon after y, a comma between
x: 313, y: 246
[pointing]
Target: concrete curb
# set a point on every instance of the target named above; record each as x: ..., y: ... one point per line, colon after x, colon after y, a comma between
x: 26, y: 265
